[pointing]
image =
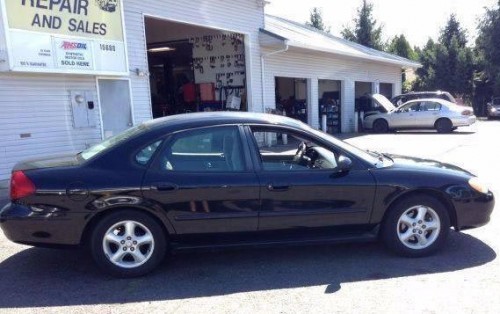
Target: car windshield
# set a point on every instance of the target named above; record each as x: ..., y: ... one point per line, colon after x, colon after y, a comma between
x: 112, y: 142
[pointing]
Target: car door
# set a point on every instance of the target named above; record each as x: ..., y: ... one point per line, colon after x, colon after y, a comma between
x: 429, y: 112
x: 203, y: 181
x: 298, y: 196
x: 405, y: 116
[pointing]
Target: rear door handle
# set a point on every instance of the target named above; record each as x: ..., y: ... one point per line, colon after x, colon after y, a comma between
x: 278, y: 188
x: 165, y: 187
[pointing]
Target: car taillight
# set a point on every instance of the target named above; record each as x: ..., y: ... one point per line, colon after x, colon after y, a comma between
x: 20, y: 186
x: 467, y: 113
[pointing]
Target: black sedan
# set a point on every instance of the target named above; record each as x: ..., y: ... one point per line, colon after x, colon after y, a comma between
x: 234, y: 180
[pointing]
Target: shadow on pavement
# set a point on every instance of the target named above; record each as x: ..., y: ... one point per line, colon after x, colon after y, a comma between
x: 42, y: 277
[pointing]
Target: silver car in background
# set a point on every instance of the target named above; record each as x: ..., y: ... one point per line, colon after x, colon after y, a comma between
x: 493, y: 108
x: 432, y: 113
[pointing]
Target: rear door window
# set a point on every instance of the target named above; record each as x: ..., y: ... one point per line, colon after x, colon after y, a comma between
x: 430, y: 106
x: 216, y: 149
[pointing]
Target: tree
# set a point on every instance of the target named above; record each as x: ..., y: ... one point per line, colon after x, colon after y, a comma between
x: 401, y: 47
x: 426, y: 74
x: 448, y: 64
x: 365, y: 30
x: 488, y: 53
x: 452, y: 30
x: 316, y: 20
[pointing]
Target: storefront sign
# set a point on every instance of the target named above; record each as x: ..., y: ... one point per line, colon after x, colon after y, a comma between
x: 65, y: 36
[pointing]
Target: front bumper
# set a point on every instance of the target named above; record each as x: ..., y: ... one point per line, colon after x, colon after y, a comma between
x: 474, y: 213
x: 22, y: 225
x: 495, y: 113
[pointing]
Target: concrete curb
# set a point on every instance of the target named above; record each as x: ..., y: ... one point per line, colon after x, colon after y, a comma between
x: 4, y: 190
x: 4, y: 184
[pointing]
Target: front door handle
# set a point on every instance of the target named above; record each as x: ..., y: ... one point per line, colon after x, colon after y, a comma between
x: 278, y: 188
x: 165, y: 187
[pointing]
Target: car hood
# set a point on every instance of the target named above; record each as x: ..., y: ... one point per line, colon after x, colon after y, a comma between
x: 384, y: 102
x: 429, y: 165
x: 66, y: 160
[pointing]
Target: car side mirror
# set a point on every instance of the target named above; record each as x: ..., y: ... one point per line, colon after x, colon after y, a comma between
x: 344, y: 164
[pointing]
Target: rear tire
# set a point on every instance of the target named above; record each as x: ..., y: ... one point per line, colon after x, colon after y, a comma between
x: 380, y: 126
x: 444, y: 126
x: 128, y: 244
x: 416, y: 226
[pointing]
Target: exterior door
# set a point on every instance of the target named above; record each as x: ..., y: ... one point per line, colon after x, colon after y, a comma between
x: 203, y: 181
x: 303, y: 189
x: 115, y: 101
x: 428, y: 113
x: 406, y: 116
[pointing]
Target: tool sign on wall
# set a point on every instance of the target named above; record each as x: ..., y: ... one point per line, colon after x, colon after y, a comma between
x: 60, y: 36
x: 219, y: 59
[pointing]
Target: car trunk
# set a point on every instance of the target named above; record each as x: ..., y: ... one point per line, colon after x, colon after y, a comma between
x: 48, y: 162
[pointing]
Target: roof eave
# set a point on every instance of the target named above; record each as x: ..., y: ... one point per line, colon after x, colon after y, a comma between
x: 403, y: 64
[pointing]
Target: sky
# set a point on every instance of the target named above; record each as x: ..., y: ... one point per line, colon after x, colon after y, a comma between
x: 418, y: 20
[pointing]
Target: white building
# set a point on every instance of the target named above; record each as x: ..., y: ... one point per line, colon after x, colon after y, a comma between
x: 75, y: 72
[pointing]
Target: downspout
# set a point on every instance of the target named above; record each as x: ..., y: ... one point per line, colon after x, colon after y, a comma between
x: 262, y: 57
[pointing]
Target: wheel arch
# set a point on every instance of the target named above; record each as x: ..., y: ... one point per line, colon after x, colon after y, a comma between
x: 165, y: 225
x: 438, y: 195
x: 440, y: 119
x: 382, y: 119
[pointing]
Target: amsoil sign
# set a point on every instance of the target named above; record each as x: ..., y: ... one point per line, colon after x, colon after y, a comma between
x: 65, y: 36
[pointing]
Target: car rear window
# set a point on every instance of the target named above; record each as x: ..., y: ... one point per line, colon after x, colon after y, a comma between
x: 111, y: 142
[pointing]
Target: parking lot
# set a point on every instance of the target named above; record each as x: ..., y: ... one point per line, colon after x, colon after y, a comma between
x: 360, y: 278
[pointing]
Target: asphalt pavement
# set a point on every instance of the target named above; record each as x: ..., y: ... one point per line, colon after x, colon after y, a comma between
x: 352, y: 278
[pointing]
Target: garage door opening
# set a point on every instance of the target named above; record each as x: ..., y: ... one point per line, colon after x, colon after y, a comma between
x: 194, y: 68
x: 386, y: 90
x: 330, y: 105
x: 362, y: 91
x: 291, y: 97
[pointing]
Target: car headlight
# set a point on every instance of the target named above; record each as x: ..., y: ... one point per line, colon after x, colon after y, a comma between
x: 478, y: 185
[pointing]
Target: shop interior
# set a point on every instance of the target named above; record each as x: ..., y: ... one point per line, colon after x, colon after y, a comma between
x: 193, y: 69
x: 291, y: 97
x: 330, y: 105
x: 386, y: 90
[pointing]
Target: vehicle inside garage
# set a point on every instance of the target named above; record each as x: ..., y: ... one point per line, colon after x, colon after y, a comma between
x: 291, y: 97
x: 193, y: 69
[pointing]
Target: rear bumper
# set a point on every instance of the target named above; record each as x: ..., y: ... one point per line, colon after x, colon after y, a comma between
x: 464, y: 121
x: 22, y: 225
x: 474, y: 213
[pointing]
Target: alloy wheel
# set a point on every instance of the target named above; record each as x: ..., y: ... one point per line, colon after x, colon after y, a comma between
x: 418, y: 227
x: 128, y: 244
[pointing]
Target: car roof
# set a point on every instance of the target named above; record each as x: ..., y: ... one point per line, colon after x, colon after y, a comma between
x: 423, y: 93
x: 201, y: 119
x: 438, y: 100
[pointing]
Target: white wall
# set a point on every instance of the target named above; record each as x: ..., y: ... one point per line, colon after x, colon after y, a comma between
x: 3, y: 46
x: 239, y: 16
x: 319, y: 66
x: 40, y: 106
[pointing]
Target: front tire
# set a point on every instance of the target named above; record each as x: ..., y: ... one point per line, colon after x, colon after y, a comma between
x: 416, y: 226
x: 128, y: 244
x: 380, y: 126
